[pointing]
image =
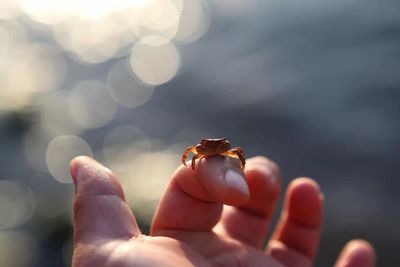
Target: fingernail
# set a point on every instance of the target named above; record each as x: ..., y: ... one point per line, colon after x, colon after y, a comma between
x: 236, y: 181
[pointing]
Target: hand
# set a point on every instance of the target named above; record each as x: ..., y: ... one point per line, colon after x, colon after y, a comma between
x: 193, y: 227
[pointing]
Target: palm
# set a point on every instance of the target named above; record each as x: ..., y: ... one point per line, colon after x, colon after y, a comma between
x: 192, y: 226
x: 139, y: 251
x: 171, y: 252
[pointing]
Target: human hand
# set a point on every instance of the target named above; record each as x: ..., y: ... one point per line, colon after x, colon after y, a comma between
x: 194, y: 226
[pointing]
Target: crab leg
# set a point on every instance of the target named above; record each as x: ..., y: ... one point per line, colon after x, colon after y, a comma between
x: 238, y: 153
x: 194, y: 161
x: 187, y: 152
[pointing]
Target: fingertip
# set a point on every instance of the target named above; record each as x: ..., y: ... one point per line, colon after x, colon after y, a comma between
x: 223, y: 178
x: 259, y: 159
x: 264, y: 172
x: 92, y: 178
x: 216, y: 179
x: 357, y: 253
x: 306, y: 184
x: 305, y: 202
x: 305, y: 190
x: 361, y: 244
x: 75, y: 165
x: 263, y: 161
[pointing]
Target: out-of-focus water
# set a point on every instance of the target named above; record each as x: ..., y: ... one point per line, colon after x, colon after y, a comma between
x: 314, y: 85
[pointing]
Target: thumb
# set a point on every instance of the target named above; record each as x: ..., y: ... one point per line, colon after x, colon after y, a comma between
x: 100, y: 210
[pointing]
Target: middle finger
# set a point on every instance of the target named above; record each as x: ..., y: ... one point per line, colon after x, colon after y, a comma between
x: 249, y: 223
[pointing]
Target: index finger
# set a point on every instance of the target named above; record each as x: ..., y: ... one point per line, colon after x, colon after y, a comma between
x: 194, y: 199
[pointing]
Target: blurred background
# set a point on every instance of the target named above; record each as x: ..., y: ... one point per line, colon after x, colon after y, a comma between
x: 312, y: 84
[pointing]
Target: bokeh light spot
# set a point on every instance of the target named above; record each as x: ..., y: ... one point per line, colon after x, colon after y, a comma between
x: 148, y: 184
x: 157, y: 38
x: 60, y: 151
x: 125, y: 142
x: 10, y: 9
x: 168, y: 18
x: 142, y: 13
x: 195, y: 20
x: 125, y: 89
x: 55, y: 117
x: 41, y: 66
x: 12, y: 35
x: 155, y: 65
x: 90, y: 105
x: 106, y: 37
x: 17, y: 203
x: 143, y: 184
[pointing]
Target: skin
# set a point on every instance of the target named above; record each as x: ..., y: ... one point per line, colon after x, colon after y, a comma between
x: 194, y: 226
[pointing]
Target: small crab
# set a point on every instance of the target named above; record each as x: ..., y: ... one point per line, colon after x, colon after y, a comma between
x: 208, y: 147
